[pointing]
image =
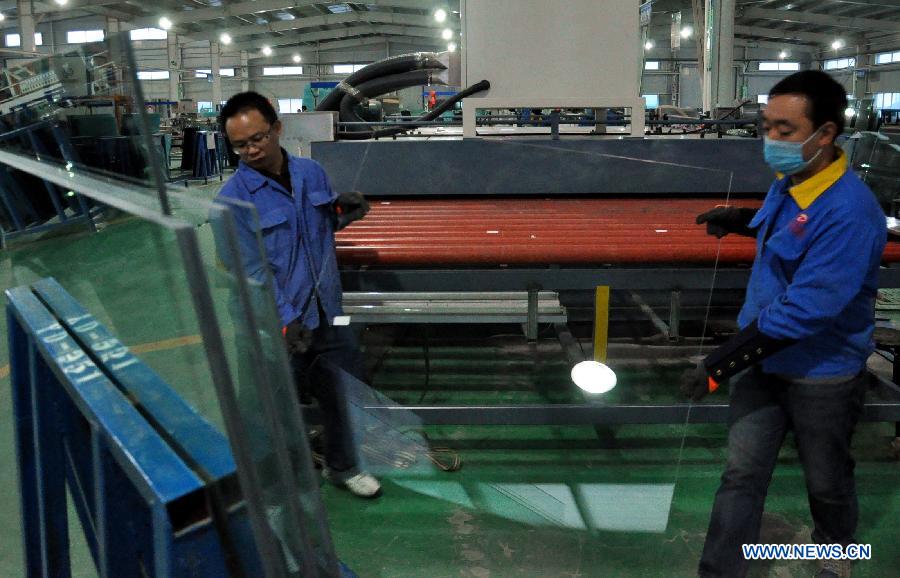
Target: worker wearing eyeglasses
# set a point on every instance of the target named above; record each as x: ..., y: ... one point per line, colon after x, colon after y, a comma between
x: 299, y: 213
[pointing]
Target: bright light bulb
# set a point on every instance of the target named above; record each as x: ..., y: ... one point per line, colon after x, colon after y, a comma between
x: 2, y: 17
x: 225, y: 38
x: 267, y: 50
x: 165, y: 23
x: 447, y: 34
x: 61, y: 2
x: 440, y: 15
x: 451, y: 46
x: 782, y: 55
x: 593, y: 377
x: 849, y: 112
x: 687, y: 32
x: 837, y: 44
x: 648, y: 45
x: 296, y: 58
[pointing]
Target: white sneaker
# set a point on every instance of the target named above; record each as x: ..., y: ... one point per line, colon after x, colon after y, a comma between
x: 363, y: 484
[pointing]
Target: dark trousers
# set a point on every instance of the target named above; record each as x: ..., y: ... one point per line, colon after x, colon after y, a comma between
x: 762, y: 410
x: 339, y: 346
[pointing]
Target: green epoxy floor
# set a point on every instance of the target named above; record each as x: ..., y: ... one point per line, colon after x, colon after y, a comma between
x: 528, y: 501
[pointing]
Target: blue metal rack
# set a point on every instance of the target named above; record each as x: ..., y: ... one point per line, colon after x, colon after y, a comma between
x: 23, y: 218
x: 153, y: 483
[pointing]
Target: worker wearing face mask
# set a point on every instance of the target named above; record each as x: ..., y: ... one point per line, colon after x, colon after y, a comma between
x: 798, y: 361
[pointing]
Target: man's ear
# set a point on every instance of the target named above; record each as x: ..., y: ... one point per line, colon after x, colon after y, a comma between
x: 276, y: 126
x: 828, y: 133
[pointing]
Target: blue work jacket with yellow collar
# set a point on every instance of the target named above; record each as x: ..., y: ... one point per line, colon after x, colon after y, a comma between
x: 815, y: 275
x: 297, y: 231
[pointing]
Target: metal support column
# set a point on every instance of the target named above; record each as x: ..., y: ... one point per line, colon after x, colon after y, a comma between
x: 215, y: 57
x: 718, y: 60
x: 173, y: 53
x: 25, y: 12
x: 245, y: 70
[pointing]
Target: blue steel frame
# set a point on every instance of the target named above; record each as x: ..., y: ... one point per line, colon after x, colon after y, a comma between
x: 147, y: 474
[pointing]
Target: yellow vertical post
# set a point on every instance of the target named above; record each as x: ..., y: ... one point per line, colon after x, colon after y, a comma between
x: 601, y: 322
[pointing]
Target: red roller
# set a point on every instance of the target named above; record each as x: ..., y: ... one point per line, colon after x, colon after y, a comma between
x: 428, y: 233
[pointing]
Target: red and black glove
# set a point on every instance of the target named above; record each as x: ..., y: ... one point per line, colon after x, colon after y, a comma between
x: 723, y: 220
x: 297, y: 337
x: 748, y: 347
x: 349, y: 207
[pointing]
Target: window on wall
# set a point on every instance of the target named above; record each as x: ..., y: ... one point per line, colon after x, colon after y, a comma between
x: 651, y: 65
x: 204, y: 106
x: 887, y: 100
x: 82, y: 36
x: 14, y: 40
x: 347, y: 68
x: 887, y: 57
x: 779, y: 66
x: 149, y: 34
x: 762, y: 99
x: 651, y: 100
x: 839, y: 63
x: 204, y: 72
x: 282, y: 70
x: 153, y: 75
x: 288, y: 105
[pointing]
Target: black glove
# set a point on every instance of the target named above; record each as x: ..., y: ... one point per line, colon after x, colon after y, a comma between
x: 696, y: 382
x: 349, y: 207
x: 297, y: 337
x: 723, y: 220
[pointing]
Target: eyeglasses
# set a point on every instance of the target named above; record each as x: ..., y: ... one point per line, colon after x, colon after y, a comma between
x: 255, y: 141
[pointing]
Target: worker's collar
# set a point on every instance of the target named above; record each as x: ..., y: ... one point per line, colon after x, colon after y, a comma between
x: 255, y: 179
x: 809, y: 190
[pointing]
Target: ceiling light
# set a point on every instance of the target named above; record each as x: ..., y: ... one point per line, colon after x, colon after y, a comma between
x: 687, y: 32
x: 296, y: 58
x: 61, y: 2
x: 447, y: 34
x: 648, y: 45
x: 593, y: 377
x: 849, y: 112
x: 783, y: 54
x: 837, y: 44
x: 225, y: 38
x: 2, y: 17
x: 165, y: 23
x: 451, y: 46
x: 440, y: 15
x: 267, y: 50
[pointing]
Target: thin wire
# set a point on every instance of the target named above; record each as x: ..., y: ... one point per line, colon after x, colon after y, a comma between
x: 687, y: 417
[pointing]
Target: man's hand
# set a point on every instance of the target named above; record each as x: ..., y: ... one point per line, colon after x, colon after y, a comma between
x: 297, y: 337
x: 349, y: 207
x: 723, y: 220
x: 696, y: 382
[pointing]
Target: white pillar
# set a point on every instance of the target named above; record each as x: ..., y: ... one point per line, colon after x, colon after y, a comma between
x: 718, y: 55
x: 215, y: 54
x: 173, y: 52
x: 26, y: 25
x: 245, y: 71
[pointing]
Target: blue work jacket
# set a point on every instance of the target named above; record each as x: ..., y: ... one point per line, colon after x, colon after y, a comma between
x: 815, y: 276
x: 297, y: 230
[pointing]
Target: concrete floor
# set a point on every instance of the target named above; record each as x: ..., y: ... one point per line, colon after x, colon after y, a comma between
x: 528, y: 501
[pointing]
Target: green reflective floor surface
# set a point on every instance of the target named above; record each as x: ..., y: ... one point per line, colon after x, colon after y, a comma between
x: 528, y: 501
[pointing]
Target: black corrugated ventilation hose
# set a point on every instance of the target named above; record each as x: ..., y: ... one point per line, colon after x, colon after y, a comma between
x: 436, y: 112
x: 386, y: 67
x: 378, y: 86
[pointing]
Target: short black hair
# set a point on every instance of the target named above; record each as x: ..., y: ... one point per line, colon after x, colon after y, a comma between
x: 827, y: 98
x: 247, y: 100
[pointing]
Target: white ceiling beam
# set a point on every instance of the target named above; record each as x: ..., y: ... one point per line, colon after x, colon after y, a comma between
x: 762, y: 32
x: 334, y: 19
x: 326, y: 35
x: 789, y: 46
x: 798, y: 17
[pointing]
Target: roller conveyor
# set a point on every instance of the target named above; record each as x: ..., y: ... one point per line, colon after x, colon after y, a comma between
x: 416, y: 233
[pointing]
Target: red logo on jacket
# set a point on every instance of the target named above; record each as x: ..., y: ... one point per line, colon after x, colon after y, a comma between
x: 798, y: 225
